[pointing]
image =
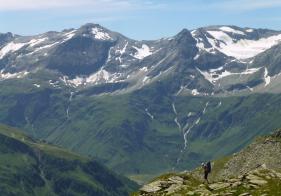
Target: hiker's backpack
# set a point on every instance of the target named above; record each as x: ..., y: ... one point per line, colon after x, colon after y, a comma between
x: 209, y: 167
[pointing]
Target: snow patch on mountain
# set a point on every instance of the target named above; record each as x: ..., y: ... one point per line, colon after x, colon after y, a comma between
x: 35, y: 42
x: 200, y: 45
x: 124, y: 66
x: 144, y: 69
x: 250, y: 89
x: 38, y: 49
x: 195, y: 92
x: 196, y: 57
x: 7, y: 75
x: 100, y: 34
x: 121, y: 52
x: 231, y: 30
x: 250, y: 71
x: 69, y: 35
x: 220, y: 36
x: 99, y: 77
x: 267, y: 78
x: 142, y: 52
x: 54, y: 84
x: 216, y: 69
x: 243, y: 48
x: 250, y: 30
x: 145, y: 79
x: 216, y: 74
x: 10, y: 47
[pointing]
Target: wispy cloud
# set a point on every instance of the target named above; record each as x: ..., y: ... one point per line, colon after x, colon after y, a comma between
x: 95, y: 5
x: 223, y: 5
x: 246, y: 5
x: 128, y: 5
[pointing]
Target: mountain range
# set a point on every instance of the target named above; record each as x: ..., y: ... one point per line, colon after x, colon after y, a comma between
x: 143, y: 107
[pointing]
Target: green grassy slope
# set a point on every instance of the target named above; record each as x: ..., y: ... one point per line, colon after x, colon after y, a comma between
x: 28, y: 168
x: 118, y: 131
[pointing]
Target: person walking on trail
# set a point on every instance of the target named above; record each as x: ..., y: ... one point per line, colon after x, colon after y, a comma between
x: 207, y: 169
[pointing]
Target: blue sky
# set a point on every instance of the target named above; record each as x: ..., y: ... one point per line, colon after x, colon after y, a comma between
x: 138, y: 19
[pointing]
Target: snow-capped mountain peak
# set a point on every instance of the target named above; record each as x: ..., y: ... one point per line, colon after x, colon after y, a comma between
x: 100, y: 34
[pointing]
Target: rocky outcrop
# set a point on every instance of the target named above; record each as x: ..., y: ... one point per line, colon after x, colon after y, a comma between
x: 261, y: 181
x: 170, y: 185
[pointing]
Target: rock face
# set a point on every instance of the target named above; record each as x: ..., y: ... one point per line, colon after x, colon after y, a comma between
x: 253, y: 171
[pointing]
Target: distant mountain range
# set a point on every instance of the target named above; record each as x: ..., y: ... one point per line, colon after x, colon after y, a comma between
x: 143, y: 107
x: 225, y: 59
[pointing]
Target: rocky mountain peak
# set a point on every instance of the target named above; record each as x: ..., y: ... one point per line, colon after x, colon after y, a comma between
x: 184, y: 35
x: 6, y: 37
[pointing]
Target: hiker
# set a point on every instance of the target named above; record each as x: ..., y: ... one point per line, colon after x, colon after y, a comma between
x: 207, y: 169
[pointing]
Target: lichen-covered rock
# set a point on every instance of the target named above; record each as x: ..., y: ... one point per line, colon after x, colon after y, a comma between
x: 245, y: 194
x: 152, y: 187
x: 220, y: 185
x: 258, y: 182
x: 176, y: 180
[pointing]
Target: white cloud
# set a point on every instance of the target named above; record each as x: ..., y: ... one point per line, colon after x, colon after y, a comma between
x: 95, y: 5
x: 115, y: 5
x: 246, y: 5
x: 223, y: 5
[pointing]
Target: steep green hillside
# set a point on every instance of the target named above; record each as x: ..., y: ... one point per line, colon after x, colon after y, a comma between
x: 253, y: 171
x: 28, y: 168
x: 136, y: 134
